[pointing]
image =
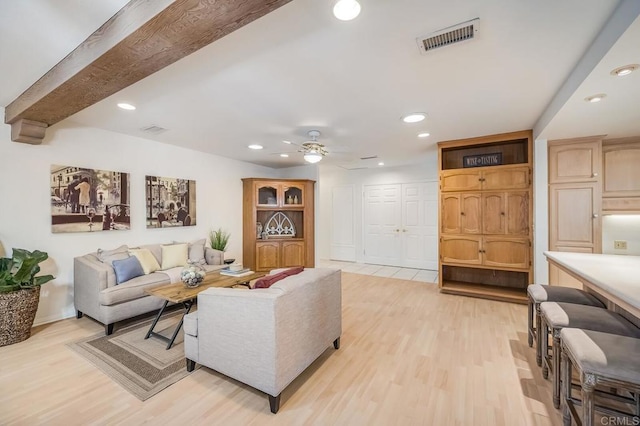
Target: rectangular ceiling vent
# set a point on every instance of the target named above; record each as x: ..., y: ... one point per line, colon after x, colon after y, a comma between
x: 153, y: 129
x: 371, y: 157
x: 450, y: 35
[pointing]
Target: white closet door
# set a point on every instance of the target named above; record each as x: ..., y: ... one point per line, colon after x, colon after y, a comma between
x: 401, y: 225
x: 382, y: 218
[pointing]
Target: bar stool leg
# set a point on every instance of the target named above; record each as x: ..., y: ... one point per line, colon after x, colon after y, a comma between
x: 544, y: 347
x: 588, y: 409
x: 530, y: 322
x: 566, y: 389
x: 556, y: 368
x: 538, y: 335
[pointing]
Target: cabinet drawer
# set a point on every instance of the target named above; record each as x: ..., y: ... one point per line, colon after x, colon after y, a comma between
x: 460, y: 180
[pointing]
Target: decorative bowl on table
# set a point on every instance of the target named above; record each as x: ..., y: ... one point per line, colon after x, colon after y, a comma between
x: 192, y: 275
x: 229, y: 261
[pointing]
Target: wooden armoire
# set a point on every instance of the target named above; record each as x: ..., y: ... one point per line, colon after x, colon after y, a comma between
x: 485, y: 216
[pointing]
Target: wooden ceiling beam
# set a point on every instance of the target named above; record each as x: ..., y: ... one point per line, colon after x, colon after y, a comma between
x: 142, y: 38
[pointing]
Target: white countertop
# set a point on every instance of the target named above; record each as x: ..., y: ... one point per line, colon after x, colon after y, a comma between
x: 616, y: 274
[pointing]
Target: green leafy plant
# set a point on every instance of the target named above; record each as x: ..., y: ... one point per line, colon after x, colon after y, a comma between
x: 219, y: 239
x: 20, y: 270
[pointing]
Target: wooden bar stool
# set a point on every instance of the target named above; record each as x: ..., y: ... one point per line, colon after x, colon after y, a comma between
x: 600, y: 359
x: 537, y: 294
x: 557, y: 316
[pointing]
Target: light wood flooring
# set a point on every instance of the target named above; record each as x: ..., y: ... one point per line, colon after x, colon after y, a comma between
x: 409, y: 356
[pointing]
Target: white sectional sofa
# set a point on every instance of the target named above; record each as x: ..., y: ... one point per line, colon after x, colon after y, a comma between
x: 266, y: 337
x: 97, y: 294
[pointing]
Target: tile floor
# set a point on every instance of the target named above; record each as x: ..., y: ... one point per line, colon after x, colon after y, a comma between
x: 423, y: 275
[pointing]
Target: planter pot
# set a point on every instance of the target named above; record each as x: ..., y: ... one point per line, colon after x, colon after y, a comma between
x: 17, y: 312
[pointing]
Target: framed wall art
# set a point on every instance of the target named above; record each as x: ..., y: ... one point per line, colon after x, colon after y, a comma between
x: 170, y: 202
x: 88, y: 200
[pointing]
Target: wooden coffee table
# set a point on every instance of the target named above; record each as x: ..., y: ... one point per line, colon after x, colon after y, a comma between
x: 178, y: 293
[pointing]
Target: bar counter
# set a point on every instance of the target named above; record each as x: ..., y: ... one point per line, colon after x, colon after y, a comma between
x: 615, y: 278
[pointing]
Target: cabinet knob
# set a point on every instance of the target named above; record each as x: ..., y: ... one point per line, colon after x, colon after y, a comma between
x: 397, y: 230
x: 594, y: 175
x: 461, y: 213
x: 595, y: 215
x: 502, y: 213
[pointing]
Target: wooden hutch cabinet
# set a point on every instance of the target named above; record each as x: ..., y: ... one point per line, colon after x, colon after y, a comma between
x: 486, y: 212
x: 277, y: 223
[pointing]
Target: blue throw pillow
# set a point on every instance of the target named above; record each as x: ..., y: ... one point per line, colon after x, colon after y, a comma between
x: 127, y: 269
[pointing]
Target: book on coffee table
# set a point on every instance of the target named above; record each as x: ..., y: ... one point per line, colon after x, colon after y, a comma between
x: 240, y: 273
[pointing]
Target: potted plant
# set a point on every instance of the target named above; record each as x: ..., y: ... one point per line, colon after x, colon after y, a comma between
x: 219, y: 239
x: 19, y: 294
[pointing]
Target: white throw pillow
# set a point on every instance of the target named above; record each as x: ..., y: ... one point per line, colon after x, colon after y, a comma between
x: 147, y: 260
x: 174, y: 255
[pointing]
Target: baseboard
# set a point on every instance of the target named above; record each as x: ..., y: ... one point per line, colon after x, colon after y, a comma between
x: 55, y: 317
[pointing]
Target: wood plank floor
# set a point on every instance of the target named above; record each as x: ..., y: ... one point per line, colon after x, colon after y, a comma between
x: 409, y: 356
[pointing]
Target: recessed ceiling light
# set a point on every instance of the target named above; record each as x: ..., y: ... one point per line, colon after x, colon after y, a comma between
x: 424, y: 135
x: 625, y: 70
x: 126, y: 106
x: 287, y: 142
x: 255, y: 146
x: 381, y: 164
x: 346, y: 10
x: 414, y: 117
x: 595, y: 98
x: 284, y: 155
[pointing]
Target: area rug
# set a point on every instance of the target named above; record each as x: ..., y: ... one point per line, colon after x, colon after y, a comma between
x: 143, y: 367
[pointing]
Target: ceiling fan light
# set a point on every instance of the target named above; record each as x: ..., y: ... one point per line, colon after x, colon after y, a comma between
x: 346, y: 10
x: 312, y: 157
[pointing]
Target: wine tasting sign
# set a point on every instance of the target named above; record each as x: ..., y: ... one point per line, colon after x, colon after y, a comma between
x: 482, y: 160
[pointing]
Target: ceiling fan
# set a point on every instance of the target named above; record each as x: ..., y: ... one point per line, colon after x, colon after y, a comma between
x: 313, y: 150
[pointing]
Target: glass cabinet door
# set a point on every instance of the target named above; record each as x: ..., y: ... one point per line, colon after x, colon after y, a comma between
x: 293, y: 195
x: 267, y: 194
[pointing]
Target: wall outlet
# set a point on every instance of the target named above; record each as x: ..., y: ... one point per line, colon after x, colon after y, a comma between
x: 620, y: 245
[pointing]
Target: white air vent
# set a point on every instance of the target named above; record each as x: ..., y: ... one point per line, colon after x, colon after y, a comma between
x: 371, y: 157
x: 450, y: 35
x: 153, y: 129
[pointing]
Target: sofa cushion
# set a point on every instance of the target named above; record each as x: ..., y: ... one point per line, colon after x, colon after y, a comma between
x: 269, y: 280
x: 196, y: 251
x: 156, y: 251
x: 127, y: 269
x: 132, y: 289
x: 191, y: 324
x: 147, y: 260
x: 174, y: 255
x: 108, y: 256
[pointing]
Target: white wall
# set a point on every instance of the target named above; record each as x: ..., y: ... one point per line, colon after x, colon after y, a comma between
x: 332, y: 176
x: 621, y: 227
x: 25, y: 220
x: 541, y: 212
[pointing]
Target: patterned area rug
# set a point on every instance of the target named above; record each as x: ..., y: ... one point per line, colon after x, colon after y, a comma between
x: 143, y: 367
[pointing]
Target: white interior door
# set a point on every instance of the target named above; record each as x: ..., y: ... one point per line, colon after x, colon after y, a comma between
x: 382, y: 219
x: 343, y: 232
x: 401, y: 225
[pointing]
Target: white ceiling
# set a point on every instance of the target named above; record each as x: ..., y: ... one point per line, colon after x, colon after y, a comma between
x: 299, y: 68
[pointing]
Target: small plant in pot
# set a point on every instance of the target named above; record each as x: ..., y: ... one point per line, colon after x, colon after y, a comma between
x: 219, y: 238
x: 19, y: 294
